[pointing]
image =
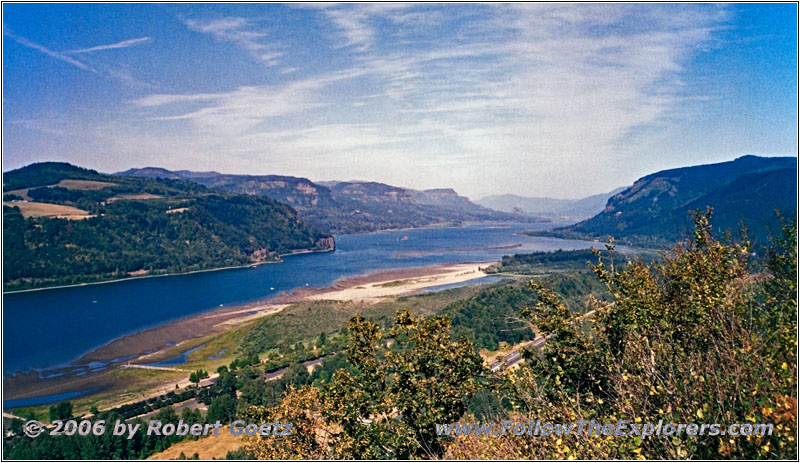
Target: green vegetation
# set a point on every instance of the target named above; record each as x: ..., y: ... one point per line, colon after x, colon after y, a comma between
x: 680, y: 342
x: 133, y: 236
x: 347, y: 207
x: 654, y: 211
x: 107, y: 446
x: 197, y: 376
x: 707, y: 334
x: 543, y: 262
x: 494, y: 315
x: 303, y: 322
x: 388, y: 408
x: 695, y: 339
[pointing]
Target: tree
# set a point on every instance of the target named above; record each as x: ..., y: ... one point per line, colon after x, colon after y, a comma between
x: 61, y: 411
x: 16, y: 426
x: 197, y: 376
x: 679, y: 342
x: 388, y: 409
x: 222, y: 409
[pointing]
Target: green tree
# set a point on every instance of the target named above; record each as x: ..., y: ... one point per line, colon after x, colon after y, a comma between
x: 197, y: 376
x: 388, y: 409
x: 61, y: 411
x: 222, y: 409
x: 697, y: 338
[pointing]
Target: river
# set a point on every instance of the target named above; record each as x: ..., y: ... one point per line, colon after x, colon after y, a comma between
x: 50, y: 328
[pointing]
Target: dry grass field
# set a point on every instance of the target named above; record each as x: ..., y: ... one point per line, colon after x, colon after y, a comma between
x: 207, y: 448
x: 83, y: 184
x: 34, y: 209
x: 68, y: 184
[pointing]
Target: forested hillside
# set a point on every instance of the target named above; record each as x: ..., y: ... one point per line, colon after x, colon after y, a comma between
x: 63, y: 224
x: 655, y: 210
x: 347, y: 207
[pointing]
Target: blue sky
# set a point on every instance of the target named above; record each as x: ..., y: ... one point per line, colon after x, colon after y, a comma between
x: 559, y: 100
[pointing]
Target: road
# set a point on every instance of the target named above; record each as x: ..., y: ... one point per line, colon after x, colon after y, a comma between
x: 515, y: 356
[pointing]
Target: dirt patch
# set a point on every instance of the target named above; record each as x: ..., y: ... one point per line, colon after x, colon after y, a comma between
x: 134, y: 197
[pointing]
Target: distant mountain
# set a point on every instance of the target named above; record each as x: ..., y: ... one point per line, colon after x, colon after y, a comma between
x: 447, y: 198
x: 656, y: 208
x: 348, y: 207
x: 63, y: 224
x: 575, y: 209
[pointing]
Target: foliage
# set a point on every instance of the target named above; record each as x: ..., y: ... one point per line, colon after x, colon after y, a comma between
x: 389, y: 408
x: 543, y: 262
x: 139, y: 235
x: 493, y: 316
x: 222, y: 409
x: 197, y: 376
x: 654, y: 210
x: 695, y: 339
x: 61, y: 411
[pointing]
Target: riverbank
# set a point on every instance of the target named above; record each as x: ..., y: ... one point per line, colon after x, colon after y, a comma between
x: 167, y: 340
x: 169, y: 274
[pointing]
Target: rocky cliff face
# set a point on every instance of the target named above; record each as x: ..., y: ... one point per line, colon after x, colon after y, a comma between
x: 326, y: 244
x: 349, y: 207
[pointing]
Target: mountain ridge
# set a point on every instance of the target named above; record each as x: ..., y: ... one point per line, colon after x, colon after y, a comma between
x: 576, y: 209
x: 349, y: 206
x: 64, y: 225
x: 656, y: 208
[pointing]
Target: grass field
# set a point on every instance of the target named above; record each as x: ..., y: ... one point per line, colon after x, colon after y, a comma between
x: 34, y: 209
x: 207, y: 448
x: 83, y: 184
x: 68, y: 184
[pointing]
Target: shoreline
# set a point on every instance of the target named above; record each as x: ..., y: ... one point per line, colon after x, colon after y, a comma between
x: 140, y: 277
x: 253, y: 264
x: 163, y: 341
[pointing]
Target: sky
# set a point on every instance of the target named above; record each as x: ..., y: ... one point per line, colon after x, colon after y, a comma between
x: 557, y: 100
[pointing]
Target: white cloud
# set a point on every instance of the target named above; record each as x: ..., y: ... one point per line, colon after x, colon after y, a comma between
x: 531, y: 100
x: 53, y: 54
x: 113, y: 46
x: 117, y: 73
x: 355, y: 21
x: 238, y: 110
x: 240, y: 31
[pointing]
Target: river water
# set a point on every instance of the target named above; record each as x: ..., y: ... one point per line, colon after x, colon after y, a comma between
x: 45, y: 329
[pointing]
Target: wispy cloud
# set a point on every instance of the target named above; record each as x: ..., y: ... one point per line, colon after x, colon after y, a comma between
x: 113, y: 46
x: 113, y: 72
x: 53, y: 54
x: 355, y: 22
x: 238, y: 110
x: 555, y: 90
x: 240, y: 31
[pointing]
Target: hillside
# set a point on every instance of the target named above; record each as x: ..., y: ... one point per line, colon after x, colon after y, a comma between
x: 575, y: 209
x: 655, y: 210
x: 64, y: 224
x: 347, y: 207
